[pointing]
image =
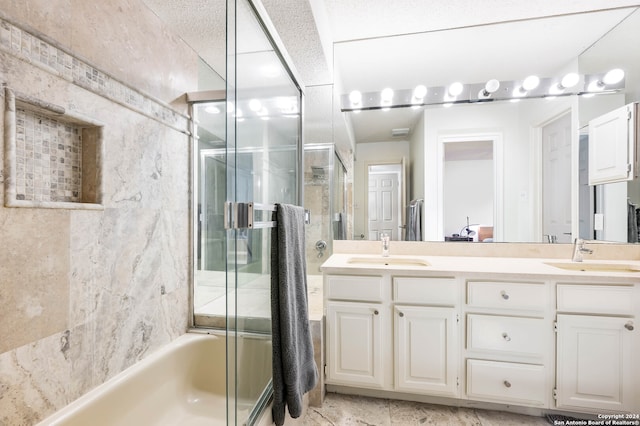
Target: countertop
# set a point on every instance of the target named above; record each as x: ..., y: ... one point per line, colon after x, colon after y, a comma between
x: 618, y: 271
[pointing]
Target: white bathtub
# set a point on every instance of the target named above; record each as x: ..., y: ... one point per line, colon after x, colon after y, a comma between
x: 181, y: 384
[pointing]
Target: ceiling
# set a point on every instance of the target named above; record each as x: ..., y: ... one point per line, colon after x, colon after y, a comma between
x: 372, y: 44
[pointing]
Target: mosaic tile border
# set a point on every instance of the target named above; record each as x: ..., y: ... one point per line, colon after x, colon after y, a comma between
x: 58, y: 61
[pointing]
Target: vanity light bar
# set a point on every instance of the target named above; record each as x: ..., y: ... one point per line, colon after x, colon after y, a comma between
x: 589, y: 84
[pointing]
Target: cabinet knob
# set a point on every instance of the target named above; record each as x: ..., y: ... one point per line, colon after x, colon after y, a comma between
x: 504, y: 295
x: 506, y: 337
x: 507, y: 384
x: 401, y: 314
x: 629, y: 326
x: 375, y: 312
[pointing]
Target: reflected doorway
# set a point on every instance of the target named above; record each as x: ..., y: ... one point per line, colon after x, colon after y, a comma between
x: 556, y: 181
x: 469, y: 190
x: 384, y: 198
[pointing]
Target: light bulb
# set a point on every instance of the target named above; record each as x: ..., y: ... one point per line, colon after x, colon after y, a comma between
x: 455, y: 89
x: 614, y: 76
x: 420, y: 92
x: 570, y: 80
x: 355, y: 97
x: 386, y: 95
x: 531, y: 82
x: 490, y: 87
x: 212, y: 109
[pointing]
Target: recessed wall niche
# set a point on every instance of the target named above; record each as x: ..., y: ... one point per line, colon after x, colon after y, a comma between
x: 53, y: 158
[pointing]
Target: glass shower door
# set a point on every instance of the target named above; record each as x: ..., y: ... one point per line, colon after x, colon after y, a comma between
x: 263, y: 154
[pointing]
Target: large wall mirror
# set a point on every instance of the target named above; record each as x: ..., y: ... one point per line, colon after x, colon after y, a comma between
x: 525, y: 160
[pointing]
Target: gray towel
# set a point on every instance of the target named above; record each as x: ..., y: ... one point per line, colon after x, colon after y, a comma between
x: 294, y: 369
x: 414, y: 221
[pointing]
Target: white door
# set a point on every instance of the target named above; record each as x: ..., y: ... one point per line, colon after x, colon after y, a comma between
x: 556, y: 185
x: 384, y: 206
x: 425, y: 356
x: 595, y: 363
x: 354, y: 344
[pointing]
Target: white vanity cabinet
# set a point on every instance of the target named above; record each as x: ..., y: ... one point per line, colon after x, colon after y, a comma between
x: 393, y: 333
x: 425, y: 335
x: 356, y: 324
x: 508, y: 342
x: 597, y: 348
x: 539, y: 340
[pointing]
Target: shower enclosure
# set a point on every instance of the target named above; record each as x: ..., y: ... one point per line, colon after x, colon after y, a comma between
x: 246, y: 158
x: 325, y: 198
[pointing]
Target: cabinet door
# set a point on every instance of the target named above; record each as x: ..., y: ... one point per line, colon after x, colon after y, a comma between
x: 354, y: 344
x: 425, y: 350
x: 612, y: 146
x: 594, y: 363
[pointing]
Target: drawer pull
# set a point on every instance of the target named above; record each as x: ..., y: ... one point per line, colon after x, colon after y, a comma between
x: 375, y: 312
x: 504, y: 295
x: 507, y: 384
x: 506, y: 337
x: 401, y: 314
x: 629, y: 326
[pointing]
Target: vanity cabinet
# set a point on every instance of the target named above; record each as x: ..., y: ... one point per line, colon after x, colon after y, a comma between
x: 595, y: 353
x: 356, y: 320
x: 508, y: 342
x: 534, y: 340
x: 354, y: 342
x: 613, y: 146
x: 425, y: 335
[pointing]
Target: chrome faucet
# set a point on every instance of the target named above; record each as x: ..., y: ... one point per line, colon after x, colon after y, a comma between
x: 385, y: 245
x: 579, y: 249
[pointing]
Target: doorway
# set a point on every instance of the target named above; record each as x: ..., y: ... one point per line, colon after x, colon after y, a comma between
x: 384, y: 198
x: 556, y: 181
x: 470, y: 187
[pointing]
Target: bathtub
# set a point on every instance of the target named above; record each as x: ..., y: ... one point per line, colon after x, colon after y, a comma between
x: 183, y: 383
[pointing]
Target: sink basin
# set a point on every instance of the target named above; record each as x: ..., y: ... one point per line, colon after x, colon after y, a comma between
x: 396, y: 261
x: 595, y: 267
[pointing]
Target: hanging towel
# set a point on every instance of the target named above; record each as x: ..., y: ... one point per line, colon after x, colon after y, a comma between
x: 414, y: 221
x: 294, y: 369
x: 632, y: 223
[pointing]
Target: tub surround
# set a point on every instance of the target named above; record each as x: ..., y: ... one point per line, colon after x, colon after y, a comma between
x: 87, y: 293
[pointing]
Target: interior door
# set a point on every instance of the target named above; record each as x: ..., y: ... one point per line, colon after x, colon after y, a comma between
x: 556, y: 185
x: 383, y: 205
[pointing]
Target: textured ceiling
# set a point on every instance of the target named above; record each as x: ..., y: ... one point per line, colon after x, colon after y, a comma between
x: 370, y: 44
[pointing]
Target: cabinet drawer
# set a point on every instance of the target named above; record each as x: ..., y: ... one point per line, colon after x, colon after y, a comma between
x: 491, y: 294
x: 516, y: 335
x: 359, y: 288
x: 506, y: 381
x: 432, y: 291
x: 610, y: 299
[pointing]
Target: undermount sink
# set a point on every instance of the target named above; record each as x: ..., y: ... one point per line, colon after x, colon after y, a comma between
x: 595, y: 267
x: 401, y: 261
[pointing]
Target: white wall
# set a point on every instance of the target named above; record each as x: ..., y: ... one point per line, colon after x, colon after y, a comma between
x: 467, y: 197
x: 366, y: 154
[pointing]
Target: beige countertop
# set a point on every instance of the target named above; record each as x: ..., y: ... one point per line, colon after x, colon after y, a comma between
x: 589, y: 270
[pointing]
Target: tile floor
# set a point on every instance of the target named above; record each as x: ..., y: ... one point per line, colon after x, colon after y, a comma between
x: 345, y: 410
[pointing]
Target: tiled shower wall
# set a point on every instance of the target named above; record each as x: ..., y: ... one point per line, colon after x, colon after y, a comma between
x: 86, y: 293
x: 48, y: 157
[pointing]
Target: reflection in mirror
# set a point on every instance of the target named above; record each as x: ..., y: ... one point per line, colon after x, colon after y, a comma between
x: 468, y: 202
x: 540, y: 187
x: 384, y: 200
x: 608, y: 211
